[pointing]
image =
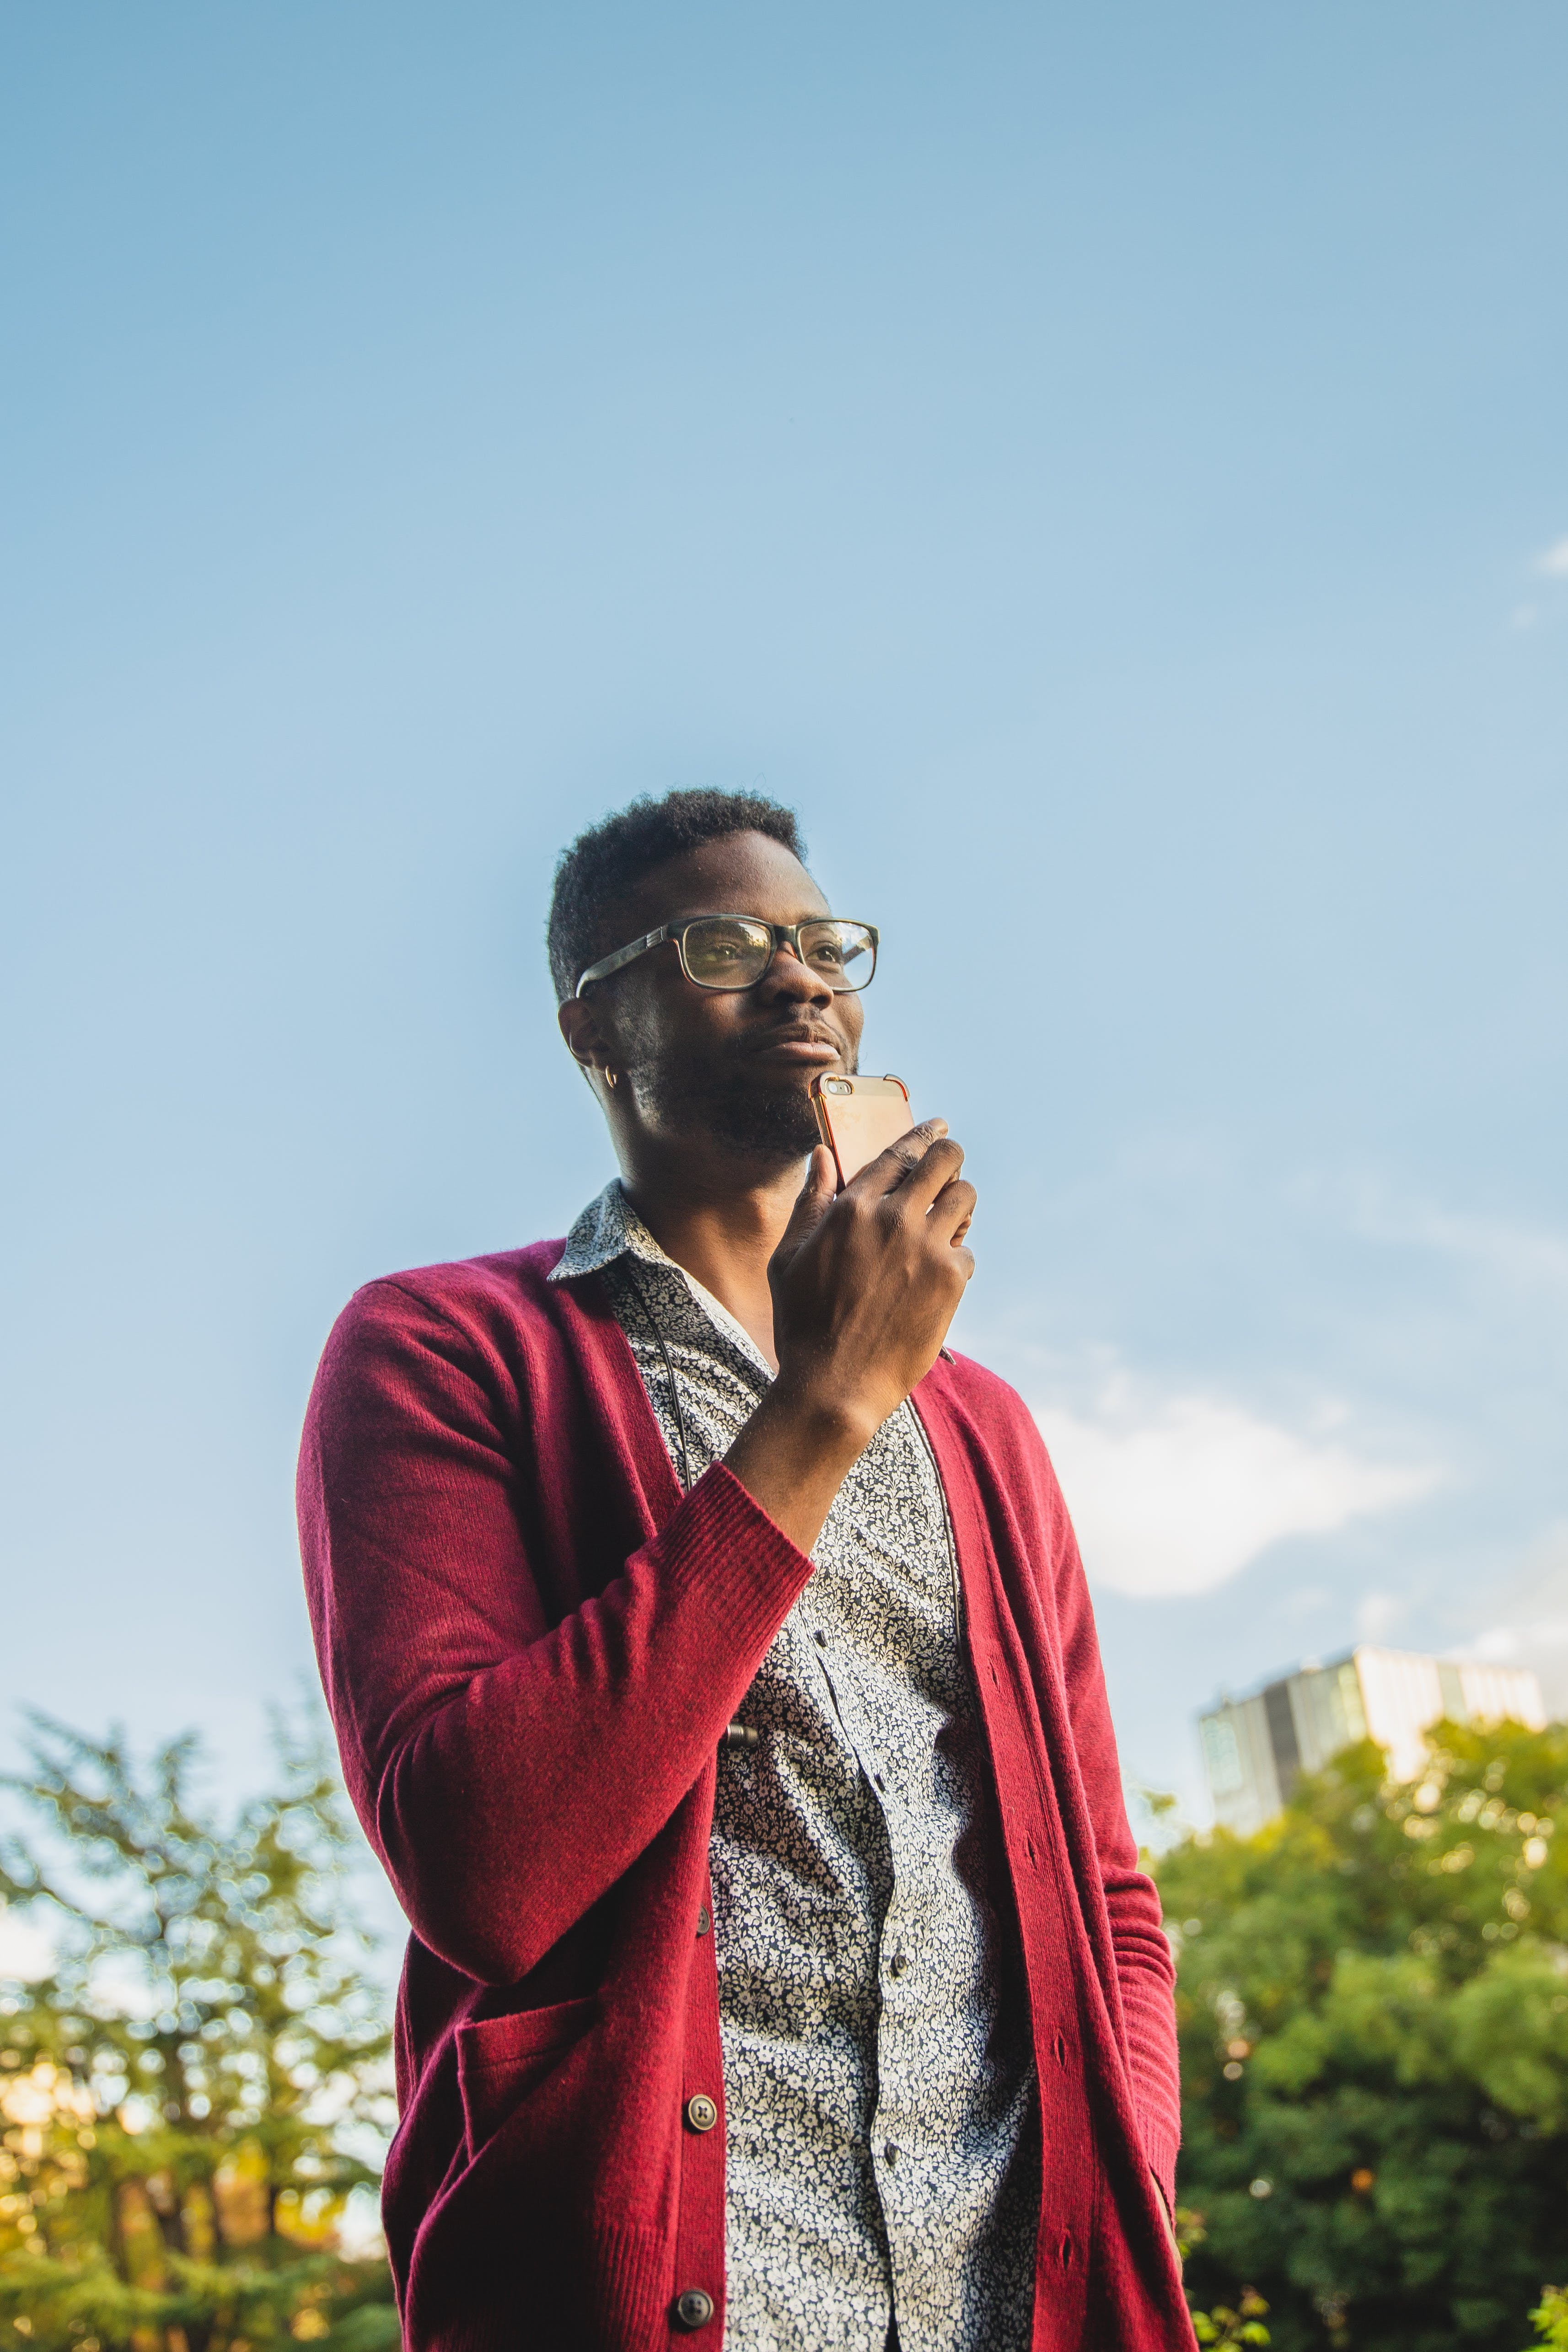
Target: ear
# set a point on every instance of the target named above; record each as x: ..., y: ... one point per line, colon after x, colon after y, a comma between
x: 580, y: 1027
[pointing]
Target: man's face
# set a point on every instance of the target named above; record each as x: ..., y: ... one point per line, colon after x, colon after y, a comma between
x: 733, y: 1066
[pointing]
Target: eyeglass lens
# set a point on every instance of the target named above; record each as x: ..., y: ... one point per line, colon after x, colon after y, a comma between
x: 727, y: 951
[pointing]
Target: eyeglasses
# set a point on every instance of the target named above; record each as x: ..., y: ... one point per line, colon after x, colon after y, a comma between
x: 735, y: 951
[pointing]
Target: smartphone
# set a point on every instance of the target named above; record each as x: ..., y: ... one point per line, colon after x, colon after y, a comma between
x: 859, y: 1117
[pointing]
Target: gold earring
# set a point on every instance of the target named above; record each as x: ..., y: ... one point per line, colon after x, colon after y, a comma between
x: 609, y: 1077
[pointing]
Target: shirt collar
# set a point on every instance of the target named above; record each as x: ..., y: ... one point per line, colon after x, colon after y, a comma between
x: 610, y: 1228
x: 607, y: 1229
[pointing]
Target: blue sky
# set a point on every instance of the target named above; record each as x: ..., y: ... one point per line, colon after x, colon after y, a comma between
x: 1109, y: 470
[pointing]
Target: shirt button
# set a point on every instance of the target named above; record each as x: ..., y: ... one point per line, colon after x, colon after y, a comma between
x: 890, y: 2153
x: 821, y: 1641
x: 898, y: 1964
x: 700, y: 2113
x: 878, y: 1783
x: 694, y: 2309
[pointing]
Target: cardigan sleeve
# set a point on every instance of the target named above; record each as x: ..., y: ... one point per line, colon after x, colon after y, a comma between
x: 508, y: 1769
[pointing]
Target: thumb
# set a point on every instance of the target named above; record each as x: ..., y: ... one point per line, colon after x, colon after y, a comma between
x: 814, y: 1200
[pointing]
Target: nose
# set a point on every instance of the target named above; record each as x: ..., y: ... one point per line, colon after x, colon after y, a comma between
x: 786, y: 978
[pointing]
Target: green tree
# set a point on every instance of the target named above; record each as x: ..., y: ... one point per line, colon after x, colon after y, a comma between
x: 1550, y: 2317
x: 192, y: 2094
x: 1373, y: 1998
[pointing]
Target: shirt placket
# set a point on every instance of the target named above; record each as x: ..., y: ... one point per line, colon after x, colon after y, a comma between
x: 899, y: 2151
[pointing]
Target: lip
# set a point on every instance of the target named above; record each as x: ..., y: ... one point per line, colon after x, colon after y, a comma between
x: 809, y: 1048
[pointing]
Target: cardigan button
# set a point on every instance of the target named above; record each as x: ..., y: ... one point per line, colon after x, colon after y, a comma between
x: 701, y: 2114
x: 694, y: 2309
x: 704, y: 1920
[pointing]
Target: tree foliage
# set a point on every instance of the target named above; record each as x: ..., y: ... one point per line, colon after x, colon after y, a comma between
x: 1224, y: 2326
x: 1550, y: 2317
x: 1373, y: 1997
x: 192, y: 2094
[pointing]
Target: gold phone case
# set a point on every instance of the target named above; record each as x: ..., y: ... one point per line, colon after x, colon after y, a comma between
x: 859, y: 1117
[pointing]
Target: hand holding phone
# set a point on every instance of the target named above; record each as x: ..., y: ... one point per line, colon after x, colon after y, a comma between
x: 864, y: 1283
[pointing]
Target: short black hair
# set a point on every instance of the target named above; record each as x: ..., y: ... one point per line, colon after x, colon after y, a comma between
x: 602, y: 863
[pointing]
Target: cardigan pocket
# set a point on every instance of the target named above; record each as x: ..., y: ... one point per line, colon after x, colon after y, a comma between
x: 502, y: 2059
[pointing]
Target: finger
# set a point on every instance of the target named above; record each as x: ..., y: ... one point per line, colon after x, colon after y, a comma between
x: 949, y: 1216
x: 963, y: 1261
x: 811, y: 1203
x: 930, y: 1176
x: 892, y: 1167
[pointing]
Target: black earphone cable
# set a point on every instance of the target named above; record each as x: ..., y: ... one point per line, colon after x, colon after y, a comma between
x: 651, y: 1319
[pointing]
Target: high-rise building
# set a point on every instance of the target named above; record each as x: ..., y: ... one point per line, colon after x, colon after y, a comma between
x: 1255, y: 1747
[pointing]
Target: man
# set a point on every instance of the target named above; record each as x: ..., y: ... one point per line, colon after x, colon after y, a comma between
x: 715, y: 1677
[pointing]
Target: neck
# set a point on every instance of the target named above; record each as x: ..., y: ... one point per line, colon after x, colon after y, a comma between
x: 721, y: 1222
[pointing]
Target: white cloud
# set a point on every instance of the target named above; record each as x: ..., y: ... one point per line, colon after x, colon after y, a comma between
x: 1530, y: 1628
x: 1554, y: 563
x: 1377, y: 1615
x: 1524, y: 1257
x: 1176, y: 1498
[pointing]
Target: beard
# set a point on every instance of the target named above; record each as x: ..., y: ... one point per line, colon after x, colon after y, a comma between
x: 774, y: 1126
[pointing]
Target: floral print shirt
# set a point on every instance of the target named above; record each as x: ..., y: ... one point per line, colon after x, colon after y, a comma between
x: 882, y: 2155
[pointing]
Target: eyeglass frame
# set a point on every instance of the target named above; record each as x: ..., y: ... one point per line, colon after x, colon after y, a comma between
x: 783, y: 935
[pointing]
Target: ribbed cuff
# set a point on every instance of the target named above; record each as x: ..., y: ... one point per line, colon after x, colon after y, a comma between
x: 722, y: 1541
x: 1159, y: 2146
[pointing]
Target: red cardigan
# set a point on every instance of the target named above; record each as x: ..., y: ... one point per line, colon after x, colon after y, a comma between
x: 531, y: 1645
